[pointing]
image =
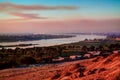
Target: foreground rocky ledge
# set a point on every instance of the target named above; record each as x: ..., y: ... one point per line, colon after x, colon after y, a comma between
x: 98, y: 68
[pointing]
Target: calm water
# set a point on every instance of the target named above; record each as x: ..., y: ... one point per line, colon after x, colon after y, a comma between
x: 51, y: 42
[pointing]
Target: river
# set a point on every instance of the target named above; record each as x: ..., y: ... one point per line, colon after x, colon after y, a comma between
x: 52, y: 42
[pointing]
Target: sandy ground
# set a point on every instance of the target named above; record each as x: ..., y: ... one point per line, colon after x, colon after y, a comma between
x: 98, y: 68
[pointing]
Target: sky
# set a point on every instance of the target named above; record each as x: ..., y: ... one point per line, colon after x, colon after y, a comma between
x: 59, y: 16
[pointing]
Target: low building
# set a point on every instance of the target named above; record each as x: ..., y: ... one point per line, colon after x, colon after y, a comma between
x: 87, y: 55
x: 118, y: 39
x: 58, y: 59
x: 75, y: 57
x: 78, y: 57
x: 94, y: 53
x: 116, y: 51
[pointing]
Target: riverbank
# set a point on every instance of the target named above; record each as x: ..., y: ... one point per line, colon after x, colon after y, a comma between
x: 19, y: 45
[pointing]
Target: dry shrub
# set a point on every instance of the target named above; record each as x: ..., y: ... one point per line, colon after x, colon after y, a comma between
x: 92, y: 71
x: 117, y: 77
x: 73, y: 67
x: 107, y: 61
x: 101, y: 70
x: 96, y: 59
x: 56, y: 76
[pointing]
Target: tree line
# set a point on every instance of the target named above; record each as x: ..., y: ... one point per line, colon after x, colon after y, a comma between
x: 15, y: 57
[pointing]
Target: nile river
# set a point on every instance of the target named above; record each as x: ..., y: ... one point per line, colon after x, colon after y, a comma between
x: 52, y: 42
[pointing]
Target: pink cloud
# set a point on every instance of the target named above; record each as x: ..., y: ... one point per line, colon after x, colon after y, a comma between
x: 27, y: 16
x: 15, y: 9
x: 7, y: 6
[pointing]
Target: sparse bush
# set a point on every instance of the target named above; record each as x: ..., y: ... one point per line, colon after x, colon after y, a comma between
x: 101, y: 70
x: 27, y: 60
x: 117, y: 77
x: 107, y: 61
x: 92, y: 71
x: 56, y: 76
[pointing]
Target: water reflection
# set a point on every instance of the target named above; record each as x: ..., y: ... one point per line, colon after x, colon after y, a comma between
x: 51, y: 42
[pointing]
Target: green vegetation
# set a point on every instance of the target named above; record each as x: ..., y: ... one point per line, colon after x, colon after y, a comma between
x: 30, y: 37
x: 13, y: 58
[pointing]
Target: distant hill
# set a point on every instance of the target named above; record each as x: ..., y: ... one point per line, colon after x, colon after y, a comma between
x: 30, y: 37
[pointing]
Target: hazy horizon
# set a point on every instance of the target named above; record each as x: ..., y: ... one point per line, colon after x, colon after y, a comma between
x: 59, y: 16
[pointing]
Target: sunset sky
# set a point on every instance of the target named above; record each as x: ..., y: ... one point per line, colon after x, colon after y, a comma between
x: 59, y: 16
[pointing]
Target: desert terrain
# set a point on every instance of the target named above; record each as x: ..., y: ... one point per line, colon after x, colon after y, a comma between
x: 98, y: 68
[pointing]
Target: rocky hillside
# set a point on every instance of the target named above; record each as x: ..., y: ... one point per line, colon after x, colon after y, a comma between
x: 98, y: 68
